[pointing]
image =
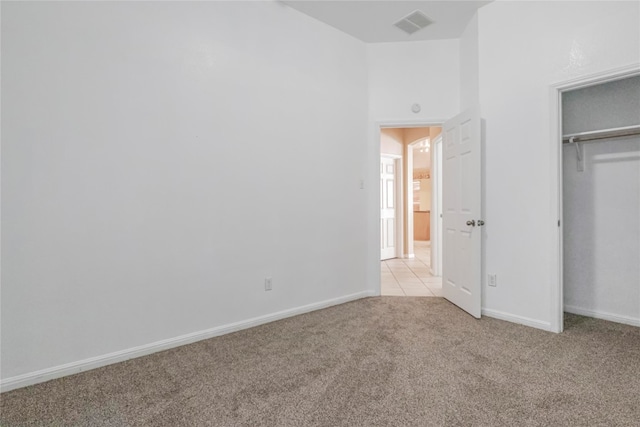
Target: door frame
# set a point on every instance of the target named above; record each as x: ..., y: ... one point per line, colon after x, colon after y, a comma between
x: 398, y: 208
x: 374, y: 164
x: 556, y: 173
x: 436, y: 206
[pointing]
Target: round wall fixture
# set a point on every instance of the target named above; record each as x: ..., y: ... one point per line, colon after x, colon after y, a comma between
x: 416, y: 108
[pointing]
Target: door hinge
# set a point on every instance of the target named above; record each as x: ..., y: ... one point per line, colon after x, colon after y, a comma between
x: 558, y: 223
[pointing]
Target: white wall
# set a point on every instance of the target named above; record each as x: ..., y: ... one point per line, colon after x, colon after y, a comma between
x: 601, y: 204
x: 524, y: 47
x: 403, y: 74
x: 469, y: 62
x: 127, y: 133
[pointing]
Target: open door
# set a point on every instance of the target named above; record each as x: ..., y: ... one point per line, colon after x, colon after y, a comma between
x: 462, y: 246
x: 388, y: 179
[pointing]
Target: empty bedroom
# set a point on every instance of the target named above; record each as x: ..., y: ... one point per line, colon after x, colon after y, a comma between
x: 191, y: 208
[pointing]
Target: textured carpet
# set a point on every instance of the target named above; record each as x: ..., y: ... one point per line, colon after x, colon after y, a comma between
x: 387, y: 361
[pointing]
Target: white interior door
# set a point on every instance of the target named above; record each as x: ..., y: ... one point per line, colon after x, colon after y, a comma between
x: 461, y: 197
x: 388, y: 209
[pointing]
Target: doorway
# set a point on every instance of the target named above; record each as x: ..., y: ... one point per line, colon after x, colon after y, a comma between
x: 411, y: 271
x: 597, y: 152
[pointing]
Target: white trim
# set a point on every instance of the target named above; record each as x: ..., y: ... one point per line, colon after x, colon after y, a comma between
x: 436, y: 207
x: 556, y: 286
x: 408, y: 123
x: 143, y: 350
x: 555, y: 153
x: 513, y: 318
x: 599, y: 78
x: 627, y: 320
x: 399, y: 206
x: 407, y: 199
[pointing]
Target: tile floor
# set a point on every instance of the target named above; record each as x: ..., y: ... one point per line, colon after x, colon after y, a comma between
x: 410, y: 276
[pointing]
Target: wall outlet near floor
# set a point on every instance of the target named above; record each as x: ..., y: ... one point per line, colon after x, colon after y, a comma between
x: 493, y: 280
x: 267, y: 284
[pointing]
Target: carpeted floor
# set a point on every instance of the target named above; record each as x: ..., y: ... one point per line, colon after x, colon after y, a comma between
x: 386, y: 361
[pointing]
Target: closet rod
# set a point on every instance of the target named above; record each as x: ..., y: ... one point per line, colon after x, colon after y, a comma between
x: 601, y: 134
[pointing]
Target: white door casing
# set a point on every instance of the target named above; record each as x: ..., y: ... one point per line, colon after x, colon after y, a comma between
x: 436, y: 208
x: 462, y: 203
x: 388, y: 238
x: 555, y: 225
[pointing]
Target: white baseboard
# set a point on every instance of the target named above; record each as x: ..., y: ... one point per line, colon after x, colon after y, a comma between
x: 143, y: 350
x: 513, y: 318
x: 627, y: 320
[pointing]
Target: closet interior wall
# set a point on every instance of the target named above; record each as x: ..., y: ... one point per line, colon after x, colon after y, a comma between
x: 601, y: 204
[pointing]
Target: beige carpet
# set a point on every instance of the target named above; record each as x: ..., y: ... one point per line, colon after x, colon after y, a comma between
x: 387, y: 361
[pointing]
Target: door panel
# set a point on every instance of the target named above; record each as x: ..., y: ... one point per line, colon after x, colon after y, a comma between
x: 462, y: 245
x: 387, y: 208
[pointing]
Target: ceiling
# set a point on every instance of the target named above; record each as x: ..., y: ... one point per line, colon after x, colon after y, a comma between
x: 372, y: 21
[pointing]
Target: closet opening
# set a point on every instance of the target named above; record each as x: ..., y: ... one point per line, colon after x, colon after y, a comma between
x: 599, y: 199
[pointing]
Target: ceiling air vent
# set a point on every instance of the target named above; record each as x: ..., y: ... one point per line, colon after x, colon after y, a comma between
x: 413, y: 22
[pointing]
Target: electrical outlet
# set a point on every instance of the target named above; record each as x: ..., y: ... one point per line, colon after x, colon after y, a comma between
x: 493, y: 280
x: 267, y: 284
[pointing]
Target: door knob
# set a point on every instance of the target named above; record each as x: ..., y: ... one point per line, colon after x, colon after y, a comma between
x: 480, y: 222
x: 471, y: 222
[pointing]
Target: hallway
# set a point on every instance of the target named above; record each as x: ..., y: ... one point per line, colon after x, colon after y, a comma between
x: 410, y: 277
